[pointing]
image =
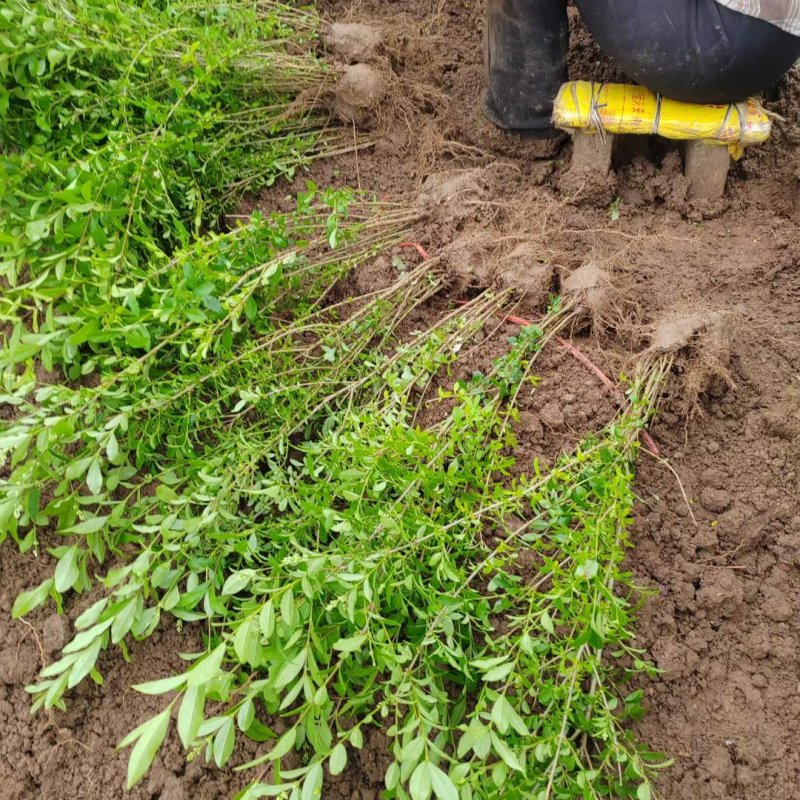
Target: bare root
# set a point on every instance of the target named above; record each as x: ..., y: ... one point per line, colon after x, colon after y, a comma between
x: 599, y: 305
x: 700, y: 344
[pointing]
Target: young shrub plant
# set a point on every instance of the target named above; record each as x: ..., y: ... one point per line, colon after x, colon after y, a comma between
x: 388, y: 575
x: 227, y: 438
x: 128, y: 129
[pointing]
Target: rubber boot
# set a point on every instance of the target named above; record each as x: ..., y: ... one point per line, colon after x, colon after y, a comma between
x: 526, y: 62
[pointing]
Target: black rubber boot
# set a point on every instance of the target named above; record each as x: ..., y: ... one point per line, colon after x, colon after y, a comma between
x: 526, y: 63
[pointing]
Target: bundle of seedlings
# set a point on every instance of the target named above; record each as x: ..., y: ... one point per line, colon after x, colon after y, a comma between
x: 280, y: 258
x: 187, y: 542
x: 127, y: 129
x: 239, y: 338
x: 374, y: 573
x: 489, y: 648
x: 77, y: 71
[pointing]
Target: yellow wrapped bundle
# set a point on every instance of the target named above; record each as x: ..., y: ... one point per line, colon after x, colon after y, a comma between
x: 623, y: 108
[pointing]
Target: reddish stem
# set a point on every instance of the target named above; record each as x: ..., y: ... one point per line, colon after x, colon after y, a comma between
x: 418, y: 247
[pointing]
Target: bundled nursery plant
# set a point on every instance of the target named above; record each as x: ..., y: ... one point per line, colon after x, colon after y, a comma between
x: 229, y: 436
x: 128, y: 129
x: 359, y: 575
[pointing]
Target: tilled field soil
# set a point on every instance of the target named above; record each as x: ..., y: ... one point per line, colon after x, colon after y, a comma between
x: 717, y: 530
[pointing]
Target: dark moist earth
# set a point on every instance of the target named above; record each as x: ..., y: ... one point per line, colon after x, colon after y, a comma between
x: 722, y: 622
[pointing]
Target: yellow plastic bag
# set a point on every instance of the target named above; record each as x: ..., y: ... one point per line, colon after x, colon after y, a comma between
x: 623, y: 108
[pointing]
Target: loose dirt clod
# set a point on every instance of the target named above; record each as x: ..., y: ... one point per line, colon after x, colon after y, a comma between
x: 591, y: 290
x: 452, y: 197
x: 700, y: 342
x: 680, y: 331
x: 469, y: 261
x: 675, y: 333
x: 352, y: 42
x: 358, y: 94
x: 524, y: 271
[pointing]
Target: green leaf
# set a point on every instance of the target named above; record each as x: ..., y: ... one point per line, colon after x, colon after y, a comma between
x: 94, y: 477
x: 77, y: 468
x: 498, y: 673
x: 351, y: 645
x: 290, y: 670
x: 260, y: 790
x: 643, y: 792
x: 190, y: 714
x: 283, y: 745
x: 288, y: 609
x: 9, y: 440
x: 210, y: 725
x: 84, y: 638
x: 88, y: 617
x: 84, y: 663
x: 88, y: 526
x: 161, y: 686
x: 502, y: 750
x: 224, y: 742
x: 237, y: 581
x: 312, y: 785
x: 413, y: 751
x: 392, y: 777
x: 246, y: 715
x: 443, y: 786
x: 206, y: 668
x: 67, y: 571
x: 123, y: 621
x: 37, y: 229
x: 148, y: 738
x: 338, y: 759
x: 56, y: 690
x: 33, y: 598
x: 112, y: 447
x: 484, y: 664
x: 420, y: 784
x: 588, y: 569
x: 504, y: 715
x: 247, y: 642
x: 266, y: 619
x: 259, y: 732
x: 500, y: 714
x: 166, y: 493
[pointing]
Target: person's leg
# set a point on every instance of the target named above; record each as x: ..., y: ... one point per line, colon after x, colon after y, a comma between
x: 526, y: 62
x: 692, y: 50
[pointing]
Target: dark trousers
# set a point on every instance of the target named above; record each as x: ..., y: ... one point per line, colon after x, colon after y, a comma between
x: 692, y: 50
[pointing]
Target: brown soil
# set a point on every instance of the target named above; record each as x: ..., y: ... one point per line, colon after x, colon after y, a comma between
x: 723, y: 623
